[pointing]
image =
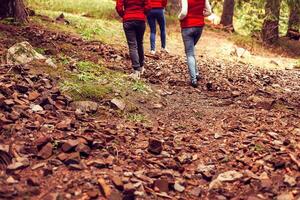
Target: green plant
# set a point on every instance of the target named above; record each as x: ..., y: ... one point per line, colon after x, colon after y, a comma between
x: 138, y: 118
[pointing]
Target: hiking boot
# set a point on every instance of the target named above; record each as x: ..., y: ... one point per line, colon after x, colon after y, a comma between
x: 152, y: 52
x: 194, y: 84
x: 136, y: 75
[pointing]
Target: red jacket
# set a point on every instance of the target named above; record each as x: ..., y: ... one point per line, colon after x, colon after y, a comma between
x: 133, y: 9
x: 159, y: 3
x: 195, y: 15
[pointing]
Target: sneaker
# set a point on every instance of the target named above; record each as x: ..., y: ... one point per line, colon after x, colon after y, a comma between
x: 152, y: 52
x: 164, y: 50
x: 142, y: 71
x: 194, y: 84
x: 136, y: 75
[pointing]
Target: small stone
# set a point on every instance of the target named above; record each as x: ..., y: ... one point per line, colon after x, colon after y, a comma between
x: 46, y: 151
x: 36, y: 108
x: 72, y: 158
x: 117, y: 103
x: 218, y: 135
x: 196, y: 191
x: 33, y: 182
x: 83, y: 149
x: 69, y: 145
x: 155, y: 146
x: 37, y: 166
x: 41, y: 141
x: 64, y: 125
x: 178, y: 187
x: 33, y: 96
x: 291, y: 181
x: 11, y: 180
x: 229, y: 176
x: 75, y: 167
x: 93, y: 193
x: 162, y: 184
x: 85, y: 106
x: 17, y: 165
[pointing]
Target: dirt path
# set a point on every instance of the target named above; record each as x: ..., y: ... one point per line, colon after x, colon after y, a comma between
x: 236, y: 137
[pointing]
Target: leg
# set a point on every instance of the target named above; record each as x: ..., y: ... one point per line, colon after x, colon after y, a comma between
x: 140, y: 31
x: 188, y: 39
x: 152, y: 25
x: 162, y: 25
x: 132, y: 44
x: 197, y: 36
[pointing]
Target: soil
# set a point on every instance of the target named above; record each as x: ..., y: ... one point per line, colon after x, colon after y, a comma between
x: 242, y: 121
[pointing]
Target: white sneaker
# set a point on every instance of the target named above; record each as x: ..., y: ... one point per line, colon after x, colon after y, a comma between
x: 142, y: 71
x: 152, y: 52
x: 136, y: 75
x: 164, y: 50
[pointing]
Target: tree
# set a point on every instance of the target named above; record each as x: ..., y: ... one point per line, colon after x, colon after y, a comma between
x: 270, y: 29
x: 294, y: 20
x: 227, y: 14
x: 13, y: 8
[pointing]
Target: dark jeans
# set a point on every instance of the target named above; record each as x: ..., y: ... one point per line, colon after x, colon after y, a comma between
x: 158, y: 15
x: 134, y: 31
x: 190, y: 38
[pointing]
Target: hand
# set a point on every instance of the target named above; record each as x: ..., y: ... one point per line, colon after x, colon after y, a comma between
x: 206, y: 12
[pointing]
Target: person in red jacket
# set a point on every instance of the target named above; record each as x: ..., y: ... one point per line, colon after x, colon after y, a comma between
x: 192, y: 23
x: 134, y: 14
x: 157, y: 14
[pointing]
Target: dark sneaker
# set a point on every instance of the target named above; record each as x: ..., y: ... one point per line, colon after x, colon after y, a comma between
x: 194, y: 84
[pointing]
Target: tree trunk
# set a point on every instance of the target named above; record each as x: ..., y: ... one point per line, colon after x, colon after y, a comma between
x: 13, y: 8
x: 227, y: 15
x: 270, y: 30
x: 294, y: 22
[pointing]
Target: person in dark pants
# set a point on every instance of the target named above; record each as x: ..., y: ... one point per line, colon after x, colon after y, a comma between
x: 157, y: 14
x: 192, y: 24
x: 134, y: 14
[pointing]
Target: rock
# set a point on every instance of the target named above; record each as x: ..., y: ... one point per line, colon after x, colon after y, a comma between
x: 229, y: 176
x: 178, y: 187
x: 50, y: 63
x: 64, y: 125
x: 75, y: 167
x: 46, y: 151
x: 33, y: 95
x: 285, y: 196
x: 215, y: 184
x: 69, y: 145
x: 36, y: 108
x: 118, y: 104
x: 20, y: 163
x: 22, y: 53
x: 72, y: 158
x: 85, y: 106
x: 33, y: 182
x: 41, y: 141
x: 11, y: 180
x: 155, y: 146
x: 83, y: 149
x: 93, y: 193
x: 240, y: 52
x: 117, y: 181
x: 106, y: 190
x: 162, y: 184
x: 196, y: 191
x: 206, y: 171
x: 291, y: 181
x: 218, y: 135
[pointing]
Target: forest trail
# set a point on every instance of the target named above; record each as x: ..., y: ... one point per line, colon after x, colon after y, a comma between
x: 236, y: 137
